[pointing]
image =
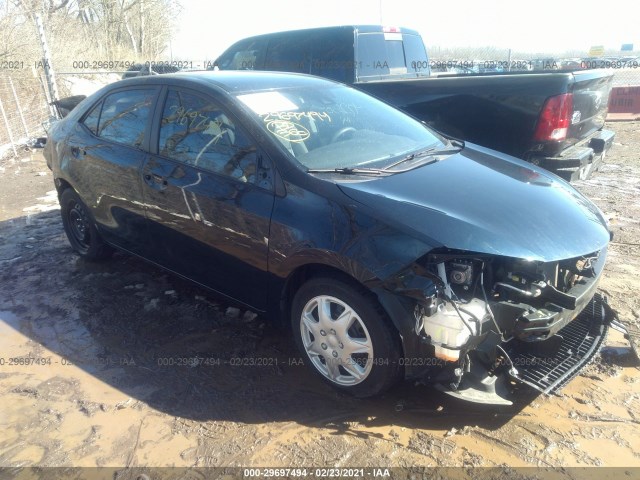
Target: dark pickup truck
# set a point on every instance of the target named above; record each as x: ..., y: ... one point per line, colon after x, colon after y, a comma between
x: 552, y: 119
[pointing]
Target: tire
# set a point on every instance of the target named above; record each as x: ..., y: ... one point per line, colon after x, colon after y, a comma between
x: 358, y: 354
x: 80, y: 228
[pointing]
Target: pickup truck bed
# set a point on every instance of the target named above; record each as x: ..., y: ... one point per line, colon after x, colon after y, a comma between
x: 502, y: 111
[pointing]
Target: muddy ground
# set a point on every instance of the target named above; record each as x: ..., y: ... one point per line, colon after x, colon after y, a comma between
x: 110, y: 382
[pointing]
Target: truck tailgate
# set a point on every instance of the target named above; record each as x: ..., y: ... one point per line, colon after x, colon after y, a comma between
x: 590, y: 100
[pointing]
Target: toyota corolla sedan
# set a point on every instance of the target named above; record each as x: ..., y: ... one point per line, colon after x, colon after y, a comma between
x: 389, y: 250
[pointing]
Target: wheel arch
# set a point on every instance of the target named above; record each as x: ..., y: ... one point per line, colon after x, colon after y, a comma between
x: 397, y: 310
x: 86, y: 239
x: 61, y: 185
x: 305, y: 272
x: 300, y: 274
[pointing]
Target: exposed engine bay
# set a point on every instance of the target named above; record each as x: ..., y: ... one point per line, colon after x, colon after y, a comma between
x: 493, y: 320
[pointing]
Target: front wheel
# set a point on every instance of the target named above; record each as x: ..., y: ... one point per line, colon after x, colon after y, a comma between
x: 80, y: 229
x: 345, y: 336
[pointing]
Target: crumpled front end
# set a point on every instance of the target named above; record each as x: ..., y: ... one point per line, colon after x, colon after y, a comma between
x: 489, y: 320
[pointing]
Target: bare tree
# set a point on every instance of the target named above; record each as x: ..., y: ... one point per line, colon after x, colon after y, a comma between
x: 92, y: 29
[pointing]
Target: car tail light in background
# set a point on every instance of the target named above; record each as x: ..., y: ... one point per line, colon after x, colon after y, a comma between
x: 555, y: 118
x: 391, y: 30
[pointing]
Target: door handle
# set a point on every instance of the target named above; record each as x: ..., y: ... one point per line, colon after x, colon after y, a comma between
x: 76, y: 152
x: 159, y: 178
x: 155, y: 178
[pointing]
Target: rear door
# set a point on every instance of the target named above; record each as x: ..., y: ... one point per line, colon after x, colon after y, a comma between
x: 209, y: 195
x: 107, y: 151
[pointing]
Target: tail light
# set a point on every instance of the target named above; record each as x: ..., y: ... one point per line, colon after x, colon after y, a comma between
x: 555, y: 118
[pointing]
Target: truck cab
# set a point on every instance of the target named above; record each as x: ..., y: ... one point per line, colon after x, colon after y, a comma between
x: 347, y: 54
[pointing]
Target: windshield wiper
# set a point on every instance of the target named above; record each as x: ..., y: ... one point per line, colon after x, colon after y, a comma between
x: 349, y: 171
x: 457, y: 146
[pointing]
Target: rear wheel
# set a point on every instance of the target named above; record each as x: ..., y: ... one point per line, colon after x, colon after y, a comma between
x: 345, y: 337
x: 80, y: 229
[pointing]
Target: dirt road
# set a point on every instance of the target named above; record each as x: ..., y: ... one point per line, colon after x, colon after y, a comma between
x: 97, y: 366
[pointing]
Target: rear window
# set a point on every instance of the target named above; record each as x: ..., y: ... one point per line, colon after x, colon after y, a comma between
x: 384, y: 54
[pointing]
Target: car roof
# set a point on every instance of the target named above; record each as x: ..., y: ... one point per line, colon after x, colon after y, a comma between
x: 231, y: 81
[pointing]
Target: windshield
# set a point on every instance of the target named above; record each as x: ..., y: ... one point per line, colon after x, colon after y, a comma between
x: 338, y: 127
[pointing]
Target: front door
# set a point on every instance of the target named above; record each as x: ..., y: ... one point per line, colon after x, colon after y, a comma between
x: 209, y: 212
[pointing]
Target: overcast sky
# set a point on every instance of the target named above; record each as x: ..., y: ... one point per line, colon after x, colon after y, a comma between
x: 206, y: 29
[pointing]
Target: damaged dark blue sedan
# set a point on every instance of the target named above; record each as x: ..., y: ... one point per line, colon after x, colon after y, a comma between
x: 391, y: 251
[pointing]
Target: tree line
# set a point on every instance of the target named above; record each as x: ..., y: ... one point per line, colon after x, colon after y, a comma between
x: 90, y: 30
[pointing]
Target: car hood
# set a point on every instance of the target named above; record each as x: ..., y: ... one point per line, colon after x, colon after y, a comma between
x: 482, y: 201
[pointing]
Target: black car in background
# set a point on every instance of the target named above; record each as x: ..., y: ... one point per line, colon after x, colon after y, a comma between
x: 148, y: 68
x: 390, y: 250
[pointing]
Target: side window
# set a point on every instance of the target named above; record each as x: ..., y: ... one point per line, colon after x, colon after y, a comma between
x: 91, y: 120
x: 244, y: 55
x: 195, y: 131
x: 289, y: 53
x: 333, y: 55
x: 124, y: 116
